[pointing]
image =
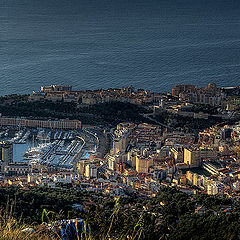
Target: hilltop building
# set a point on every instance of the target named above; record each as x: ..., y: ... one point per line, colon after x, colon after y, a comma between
x: 56, y: 88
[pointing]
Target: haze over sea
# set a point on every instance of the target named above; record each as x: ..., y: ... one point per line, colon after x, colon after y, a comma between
x: 91, y: 44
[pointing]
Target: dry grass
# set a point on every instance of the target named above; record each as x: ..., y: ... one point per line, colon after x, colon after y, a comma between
x: 12, y: 229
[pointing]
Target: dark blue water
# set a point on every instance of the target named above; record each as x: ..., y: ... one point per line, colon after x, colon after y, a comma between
x: 91, y: 44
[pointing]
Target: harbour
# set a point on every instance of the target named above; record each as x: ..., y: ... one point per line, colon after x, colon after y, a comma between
x: 48, y: 147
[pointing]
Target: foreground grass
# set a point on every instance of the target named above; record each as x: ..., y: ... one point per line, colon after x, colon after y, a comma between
x: 12, y: 229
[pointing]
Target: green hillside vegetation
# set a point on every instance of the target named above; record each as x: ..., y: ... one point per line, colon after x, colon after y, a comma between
x: 169, y: 215
x: 101, y: 114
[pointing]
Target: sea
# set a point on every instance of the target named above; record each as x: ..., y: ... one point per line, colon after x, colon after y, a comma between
x: 93, y: 44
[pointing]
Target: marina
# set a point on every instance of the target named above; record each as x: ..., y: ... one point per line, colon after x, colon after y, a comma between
x: 57, y: 148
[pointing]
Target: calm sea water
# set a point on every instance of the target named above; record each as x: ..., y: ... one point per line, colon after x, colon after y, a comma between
x: 91, y: 44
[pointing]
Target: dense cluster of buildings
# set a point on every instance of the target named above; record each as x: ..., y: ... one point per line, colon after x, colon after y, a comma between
x: 208, y: 95
x: 209, y: 162
x: 189, y: 101
x: 89, y: 97
x: 143, y: 157
x: 180, y: 101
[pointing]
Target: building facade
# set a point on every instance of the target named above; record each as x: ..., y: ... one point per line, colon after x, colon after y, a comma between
x: 34, y: 123
x: 6, y: 154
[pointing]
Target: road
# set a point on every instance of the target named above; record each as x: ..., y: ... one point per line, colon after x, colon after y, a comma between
x: 157, y: 122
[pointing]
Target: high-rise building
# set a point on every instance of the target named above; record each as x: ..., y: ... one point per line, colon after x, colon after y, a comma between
x: 143, y: 164
x: 177, y: 153
x: 119, y: 145
x: 6, y: 154
x: 91, y: 171
x: 192, y: 157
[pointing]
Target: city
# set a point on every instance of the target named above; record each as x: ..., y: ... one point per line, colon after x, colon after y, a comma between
x: 120, y: 120
x: 129, y: 145
x: 141, y: 158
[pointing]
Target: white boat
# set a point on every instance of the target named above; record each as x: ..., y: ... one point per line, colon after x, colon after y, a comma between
x: 6, y: 133
x: 65, y: 136
x: 41, y: 148
x: 59, y: 136
x: 55, y: 135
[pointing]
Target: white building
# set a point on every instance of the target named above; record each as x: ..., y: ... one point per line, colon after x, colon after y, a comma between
x: 62, y: 178
x: 215, y: 188
x: 91, y: 171
x: 236, y: 186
